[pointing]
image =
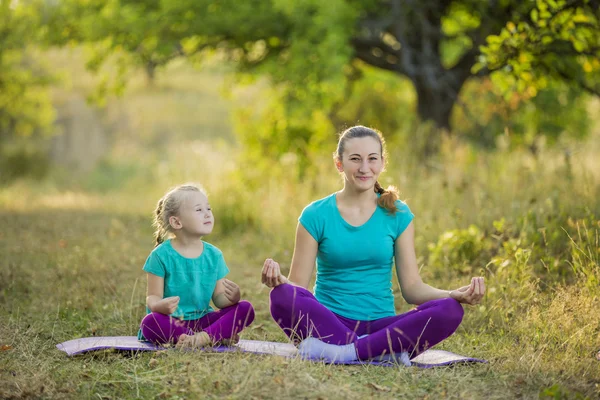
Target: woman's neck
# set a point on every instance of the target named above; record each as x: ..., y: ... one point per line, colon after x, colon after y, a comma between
x: 354, y: 198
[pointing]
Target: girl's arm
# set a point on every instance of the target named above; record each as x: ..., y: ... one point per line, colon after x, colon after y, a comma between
x: 303, y: 262
x: 154, y: 296
x: 226, y: 293
x: 414, y: 290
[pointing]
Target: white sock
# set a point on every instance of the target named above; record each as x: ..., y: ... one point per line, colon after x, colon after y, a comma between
x: 400, y: 358
x: 315, y: 348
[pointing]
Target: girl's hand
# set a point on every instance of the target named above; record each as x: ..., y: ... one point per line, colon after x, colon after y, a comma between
x: 471, y: 294
x: 271, y: 274
x: 166, y: 306
x: 232, y: 291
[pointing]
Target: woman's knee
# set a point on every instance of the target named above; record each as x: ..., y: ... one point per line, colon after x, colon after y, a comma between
x: 282, y: 294
x: 282, y: 299
x: 451, y: 312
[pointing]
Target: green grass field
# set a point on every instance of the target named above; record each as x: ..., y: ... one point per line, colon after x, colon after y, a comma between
x: 73, y: 247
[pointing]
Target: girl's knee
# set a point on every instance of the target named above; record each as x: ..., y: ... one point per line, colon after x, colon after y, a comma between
x: 151, y: 327
x: 152, y: 319
x: 246, y: 308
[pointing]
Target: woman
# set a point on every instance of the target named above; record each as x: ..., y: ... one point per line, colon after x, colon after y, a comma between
x: 354, y: 235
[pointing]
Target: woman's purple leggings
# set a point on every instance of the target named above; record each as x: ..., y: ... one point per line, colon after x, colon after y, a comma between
x: 221, y: 324
x: 300, y: 315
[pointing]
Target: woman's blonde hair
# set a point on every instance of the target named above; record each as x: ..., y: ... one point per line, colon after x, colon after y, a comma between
x: 388, y: 197
x: 168, y: 206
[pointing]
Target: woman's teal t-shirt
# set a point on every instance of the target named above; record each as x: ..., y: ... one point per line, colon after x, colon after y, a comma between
x: 192, y: 279
x: 354, y: 263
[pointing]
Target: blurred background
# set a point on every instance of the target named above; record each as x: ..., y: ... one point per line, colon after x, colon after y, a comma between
x: 490, y: 111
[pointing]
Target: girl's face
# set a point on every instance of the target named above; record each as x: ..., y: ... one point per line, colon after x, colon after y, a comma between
x: 361, y: 163
x: 195, y: 215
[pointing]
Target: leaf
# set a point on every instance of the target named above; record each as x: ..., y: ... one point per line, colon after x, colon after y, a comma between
x: 378, y: 387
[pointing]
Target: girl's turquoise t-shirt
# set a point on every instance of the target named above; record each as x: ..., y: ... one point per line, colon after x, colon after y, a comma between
x: 192, y: 279
x: 354, y: 263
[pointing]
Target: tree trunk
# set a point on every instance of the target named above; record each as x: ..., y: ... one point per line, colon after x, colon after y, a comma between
x: 434, y: 105
x: 406, y: 38
x: 150, y: 72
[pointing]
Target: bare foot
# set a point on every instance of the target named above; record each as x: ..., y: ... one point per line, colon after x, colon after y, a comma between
x: 198, y: 340
x: 230, y: 341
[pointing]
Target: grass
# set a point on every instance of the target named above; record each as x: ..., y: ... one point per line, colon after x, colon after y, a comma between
x: 73, y: 247
x: 72, y: 268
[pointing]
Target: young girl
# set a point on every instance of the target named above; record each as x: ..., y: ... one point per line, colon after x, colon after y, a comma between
x: 184, y: 273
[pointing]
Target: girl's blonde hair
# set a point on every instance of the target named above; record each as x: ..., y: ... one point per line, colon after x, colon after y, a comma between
x: 168, y: 206
x: 388, y: 197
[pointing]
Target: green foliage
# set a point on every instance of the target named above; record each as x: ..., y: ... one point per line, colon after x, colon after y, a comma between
x: 556, y: 40
x: 314, y: 56
x: 460, y: 250
x: 585, y: 252
x: 301, y: 136
x: 25, y: 106
x: 23, y: 160
x: 557, y: 111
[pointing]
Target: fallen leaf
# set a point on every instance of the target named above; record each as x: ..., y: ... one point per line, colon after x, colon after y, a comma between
x: 62, y: 243
x: 5, y: 347
x: 378, y: 387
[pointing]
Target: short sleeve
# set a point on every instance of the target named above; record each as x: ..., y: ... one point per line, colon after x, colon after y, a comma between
x: 309, y: 218
x: 403, y: 217
x: 154, y: 265
x: 221, y: 266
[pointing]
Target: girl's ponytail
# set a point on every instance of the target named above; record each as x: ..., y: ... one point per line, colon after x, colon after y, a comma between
x: 387, y: 198
x: 158, y: 223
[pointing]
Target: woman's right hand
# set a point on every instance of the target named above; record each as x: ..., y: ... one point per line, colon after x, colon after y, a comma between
x: 271, y: 274
x: 166, y: 306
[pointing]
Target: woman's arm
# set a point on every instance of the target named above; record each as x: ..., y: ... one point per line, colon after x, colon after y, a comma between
x: 226, y: 293
x: 154, y: 296
x: 303, y: 262
x: 414, y: 290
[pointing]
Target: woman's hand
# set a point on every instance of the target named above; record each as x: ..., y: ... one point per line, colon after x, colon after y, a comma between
x: 271, y: 274
x: 471, y: 294
x: 166, y: 306
x: 232, y: 291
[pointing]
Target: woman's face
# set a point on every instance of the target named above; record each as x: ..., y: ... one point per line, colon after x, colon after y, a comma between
x: 361, y: 163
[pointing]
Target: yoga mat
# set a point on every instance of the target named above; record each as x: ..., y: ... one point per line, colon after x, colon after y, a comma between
x: 428, y: 359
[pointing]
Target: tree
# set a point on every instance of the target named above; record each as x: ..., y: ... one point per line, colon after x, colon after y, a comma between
x: 314, y: 51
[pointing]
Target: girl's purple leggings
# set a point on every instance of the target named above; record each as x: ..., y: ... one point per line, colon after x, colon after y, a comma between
x: 300, y: 315
x: 221, y: 324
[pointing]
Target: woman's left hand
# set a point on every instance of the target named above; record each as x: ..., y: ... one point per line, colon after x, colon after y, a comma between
x: 471, y: 294
x: 232, y: 291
